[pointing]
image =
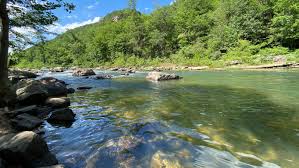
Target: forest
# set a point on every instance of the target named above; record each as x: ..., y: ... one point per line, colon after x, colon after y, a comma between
x: 187, y: 32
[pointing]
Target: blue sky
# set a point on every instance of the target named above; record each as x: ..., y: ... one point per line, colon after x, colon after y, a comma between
x: 90, y: 11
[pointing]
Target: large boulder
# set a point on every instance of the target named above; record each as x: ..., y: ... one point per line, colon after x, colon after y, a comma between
x: 31, y: 92
x: 59, y: 102
x: 27, y: 149
x: 83, y: 72
x: 62, y: 115
x: 54, y: 86
x: 159, y: 76
x: 26, y: 122
x: 37, y: 91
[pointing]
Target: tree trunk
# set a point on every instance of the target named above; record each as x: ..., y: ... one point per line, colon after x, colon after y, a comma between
x: 4, y: 35
x: 5, y: 91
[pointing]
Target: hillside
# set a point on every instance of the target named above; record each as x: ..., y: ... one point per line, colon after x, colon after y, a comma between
x: 188, y: 32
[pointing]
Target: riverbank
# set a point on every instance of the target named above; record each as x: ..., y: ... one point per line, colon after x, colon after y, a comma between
x: 172, y: 67
x: 35, y: 101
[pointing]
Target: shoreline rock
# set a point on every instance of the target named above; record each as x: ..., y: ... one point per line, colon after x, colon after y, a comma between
x: 35, y: 103
x: 64, y: 114
x: 26, y: 149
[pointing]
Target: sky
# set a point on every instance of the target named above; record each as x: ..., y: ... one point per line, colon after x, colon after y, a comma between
x: 91, y: 11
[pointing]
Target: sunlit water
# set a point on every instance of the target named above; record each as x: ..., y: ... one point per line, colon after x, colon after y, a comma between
x: 207, y: 119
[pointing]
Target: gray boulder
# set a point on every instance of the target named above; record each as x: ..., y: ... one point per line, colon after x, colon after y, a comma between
x: 58, y: 102
x: 54, y: 86
x: 83, y: 72
x: 31, y: 92
x: 159, y: 76
x: 64, y: 114
x: 27, y: 149
x: 26, y: 122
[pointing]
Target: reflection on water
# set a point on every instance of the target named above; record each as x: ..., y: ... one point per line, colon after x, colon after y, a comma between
x: 208, y: 119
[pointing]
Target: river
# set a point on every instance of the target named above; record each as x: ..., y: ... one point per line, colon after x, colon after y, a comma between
x: 214, y: 119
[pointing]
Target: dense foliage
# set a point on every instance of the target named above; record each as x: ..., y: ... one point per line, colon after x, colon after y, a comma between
x: 188, y: 32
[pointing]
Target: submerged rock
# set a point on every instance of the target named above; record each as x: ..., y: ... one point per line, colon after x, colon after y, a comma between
x: 26, y: 122
x: 164, y: 160
x: 27, y: 149
x: 58, y: 102
x: 83, y: 72
x: 64, y: 114
x: 159, y: 76
x: 84, y: 88
x: 115, y: 153
x: 103, y: 76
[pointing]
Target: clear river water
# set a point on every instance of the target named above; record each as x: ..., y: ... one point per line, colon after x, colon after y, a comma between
x: 217, y: 119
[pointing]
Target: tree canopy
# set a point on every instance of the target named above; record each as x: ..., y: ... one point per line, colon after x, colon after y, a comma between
x: 193, y: 32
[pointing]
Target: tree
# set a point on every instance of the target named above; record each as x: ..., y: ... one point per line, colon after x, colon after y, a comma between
x: 132, y: 4
x: 285, y: 23
x: 30, y: 14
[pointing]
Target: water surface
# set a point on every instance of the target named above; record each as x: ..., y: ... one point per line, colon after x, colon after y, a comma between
x: 208, y: 119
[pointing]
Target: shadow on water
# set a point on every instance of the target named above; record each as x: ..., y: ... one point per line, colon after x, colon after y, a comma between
x: 208, y: 118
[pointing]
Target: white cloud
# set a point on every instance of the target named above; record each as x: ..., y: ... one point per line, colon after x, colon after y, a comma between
x: 90, y: 6
x: 58, y: 28
x: 172, y: 2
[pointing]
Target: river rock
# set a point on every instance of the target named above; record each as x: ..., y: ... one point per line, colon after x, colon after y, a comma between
x: 84, y: 88
x: 59, y: 102
x: 71, y: 90
x: 3, y: 164
x: 83, y: 72
x: 103, y: 76
x: 31, y: 92
x: 24, y: 74
x: 57, y: 69
x: 161, y: 159
x: 27, y: 149
x: 28, y: 109
x: 64, y: 114
x: 159, y: 76
x: 26, y: 122
x: 54, y: 86
x: 114, y: 69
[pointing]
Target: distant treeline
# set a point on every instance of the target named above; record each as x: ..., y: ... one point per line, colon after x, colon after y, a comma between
x: 188, y: 32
